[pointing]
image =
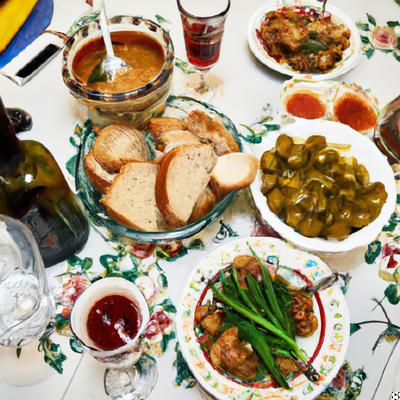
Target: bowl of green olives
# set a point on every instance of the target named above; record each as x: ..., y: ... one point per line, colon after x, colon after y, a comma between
x: 323, y: 186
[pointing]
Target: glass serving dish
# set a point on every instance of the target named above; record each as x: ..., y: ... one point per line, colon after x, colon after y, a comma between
x: 136, y: 106
x: 177, y: 107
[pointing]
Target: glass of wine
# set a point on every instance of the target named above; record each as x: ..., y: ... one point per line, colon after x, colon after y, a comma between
x: 203, y: 25
x: 26, y: 305
x: 109, y: 319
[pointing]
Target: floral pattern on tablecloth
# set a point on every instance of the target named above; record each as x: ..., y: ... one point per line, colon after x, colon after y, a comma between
x: 146, y: 273
x: 384, y: 38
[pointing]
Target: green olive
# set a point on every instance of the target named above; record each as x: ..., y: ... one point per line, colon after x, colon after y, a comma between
x: 362, y: 175
x: 269, y: 162
x: 294, y: 215
x: 310, y: 227
x: 298, y: 156
x: 268, y: 183
x: 338, y: 230
x: 275, y: 201
x: 284, y: 145
x: 315, y: 143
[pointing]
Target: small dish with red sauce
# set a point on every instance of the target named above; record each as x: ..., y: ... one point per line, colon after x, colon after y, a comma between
x: 348, y: 104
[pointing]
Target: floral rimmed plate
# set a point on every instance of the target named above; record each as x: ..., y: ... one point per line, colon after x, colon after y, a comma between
x: 329, y: 93
x: 327, y: 346
x: 351, y: 55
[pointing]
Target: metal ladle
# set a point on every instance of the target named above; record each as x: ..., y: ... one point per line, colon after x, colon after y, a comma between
x: 111, y: 64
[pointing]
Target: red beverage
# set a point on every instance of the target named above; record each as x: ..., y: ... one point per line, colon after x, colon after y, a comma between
x: 203, y: 44
x: 203, y: 27
x: 112, y: 322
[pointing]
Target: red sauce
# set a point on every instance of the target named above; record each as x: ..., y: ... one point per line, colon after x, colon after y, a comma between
x: 352, y: 110
x: 110, y: 320
x: 305, y: 105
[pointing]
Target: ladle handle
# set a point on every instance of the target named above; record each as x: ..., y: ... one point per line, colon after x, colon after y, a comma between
x: 104, y: 29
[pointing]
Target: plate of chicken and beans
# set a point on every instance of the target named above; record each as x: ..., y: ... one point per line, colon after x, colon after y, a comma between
x: 259, y: 318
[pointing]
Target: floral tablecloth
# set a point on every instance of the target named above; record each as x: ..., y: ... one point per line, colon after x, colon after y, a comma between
x: 249, y: 93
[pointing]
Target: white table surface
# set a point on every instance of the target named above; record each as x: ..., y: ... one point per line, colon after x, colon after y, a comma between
x: 247, y: 87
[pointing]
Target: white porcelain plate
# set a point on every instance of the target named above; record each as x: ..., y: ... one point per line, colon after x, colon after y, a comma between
x: 327, y: 346
x: 351, y: 56
x: 366, y: 153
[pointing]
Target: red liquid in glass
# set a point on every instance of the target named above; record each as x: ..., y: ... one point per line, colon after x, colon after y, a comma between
x: 203, y: 44
x: 112, y: 321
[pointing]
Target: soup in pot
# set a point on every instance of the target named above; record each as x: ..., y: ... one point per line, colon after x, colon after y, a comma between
x: 143, y: 55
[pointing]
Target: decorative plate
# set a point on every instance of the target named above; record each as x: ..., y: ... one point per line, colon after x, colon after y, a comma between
x: 366, y: 153
x: 177, y: 107
x: 351, y: 56
x: 327, y: 346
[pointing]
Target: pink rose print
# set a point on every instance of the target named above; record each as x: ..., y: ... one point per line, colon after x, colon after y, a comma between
x: 384, y: 37
x: 72, y: 288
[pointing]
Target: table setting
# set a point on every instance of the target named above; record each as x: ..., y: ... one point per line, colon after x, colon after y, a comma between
x: 199, y: 200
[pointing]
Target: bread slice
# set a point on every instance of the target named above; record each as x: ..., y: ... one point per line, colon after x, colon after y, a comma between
x: 183, y: 176
x: 157, y: 126
x: 97, y: 175
x: 131, y: 198
x: 204, y: 204
x: 118, y: 144
x: 233, y: 171
x: 212, y: 131
x: 171, y: 139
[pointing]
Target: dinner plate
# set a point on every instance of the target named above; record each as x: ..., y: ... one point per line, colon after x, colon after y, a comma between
x: 326, y: 347
x: 365, y: 152
x: 351, y: 56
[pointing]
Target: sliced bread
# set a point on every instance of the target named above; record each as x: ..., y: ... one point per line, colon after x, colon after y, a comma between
x: 157, y: 126
x: 211, y: 131
x: 131, y: 198
x: 118, y: 144
x: 183, y: 176
x: 204, y: 205
x: 97, y: 175
x: 171, y: 139
x: 233, y: 171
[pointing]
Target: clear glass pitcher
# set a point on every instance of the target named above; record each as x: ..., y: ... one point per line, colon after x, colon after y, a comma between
x: 26, y: 305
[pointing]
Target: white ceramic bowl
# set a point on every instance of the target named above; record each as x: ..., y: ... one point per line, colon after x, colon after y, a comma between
x: 351, y: 56
x: 366, y: 153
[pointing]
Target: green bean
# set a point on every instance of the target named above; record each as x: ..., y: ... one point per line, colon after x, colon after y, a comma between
x: 251, y: 315
x: 258, y: 296
x: 252, y: 335
x: 243, y: 293
x: 269, y: 289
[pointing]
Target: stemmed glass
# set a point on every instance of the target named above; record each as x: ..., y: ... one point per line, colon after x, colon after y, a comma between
x: 129, y: 374
x: 26, y: 305
x: 203, y: 23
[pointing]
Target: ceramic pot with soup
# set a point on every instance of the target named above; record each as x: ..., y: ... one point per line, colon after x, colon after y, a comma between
x: 138, y: 92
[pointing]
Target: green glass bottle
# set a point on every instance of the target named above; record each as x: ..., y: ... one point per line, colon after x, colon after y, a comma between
x: 33, y: 189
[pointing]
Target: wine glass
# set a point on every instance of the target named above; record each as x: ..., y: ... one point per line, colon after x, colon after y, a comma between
x: 203, y: 23
x: 26, y: 305
x: 129, y: 374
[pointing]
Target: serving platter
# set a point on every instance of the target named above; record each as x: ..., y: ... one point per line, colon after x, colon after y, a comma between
x: 351, y: 56
x: 363, y: 150
x: 327, y: 346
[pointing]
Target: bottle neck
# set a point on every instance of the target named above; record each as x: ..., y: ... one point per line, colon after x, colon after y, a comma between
x: 10, y: 147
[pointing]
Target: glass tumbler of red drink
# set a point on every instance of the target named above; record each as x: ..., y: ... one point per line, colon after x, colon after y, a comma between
x: 108, y: 319
x: 203, y: 23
